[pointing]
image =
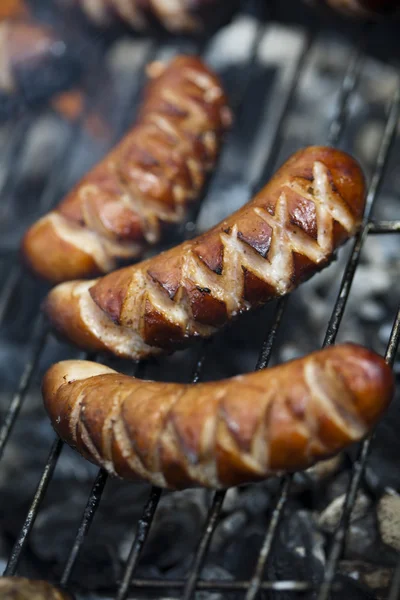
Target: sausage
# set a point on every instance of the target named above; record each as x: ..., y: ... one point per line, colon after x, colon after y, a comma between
x: 219, y: 434
x: 144, y: 184
x: 362, y: 8
x: 34, y: 64
x: 19, y: 588
x: 288, y: 232
x: 180, y: 16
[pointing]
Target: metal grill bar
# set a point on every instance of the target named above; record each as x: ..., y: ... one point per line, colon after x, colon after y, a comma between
x: 387, y: 141
x: 8, y: 290
x: 266, y: 548
x: 285, y: 105
x: 294, y: 587
x: 87, y: 518
x: 32, y: 514
x: 212, y: 520
x: 334, y: 324
x: 384, y: 227
x: 13, y: 153
x: 39, y: 338
x: 143, y: 528
x: 349, y: 84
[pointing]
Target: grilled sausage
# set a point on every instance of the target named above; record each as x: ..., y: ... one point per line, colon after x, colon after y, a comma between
x: 34, y: 64
x: 362, y: 8
x: 19, y: 588
x: 219, y: 434
x: 179, y: 16
x: 144, y: 184
x: 288, y: 232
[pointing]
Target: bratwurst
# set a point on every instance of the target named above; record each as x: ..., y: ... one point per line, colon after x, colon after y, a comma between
x: 287, y: 233
x: 146, y: 183
x: 219, y: 434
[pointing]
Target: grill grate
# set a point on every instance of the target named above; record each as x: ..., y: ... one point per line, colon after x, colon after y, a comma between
x: 39, y: 338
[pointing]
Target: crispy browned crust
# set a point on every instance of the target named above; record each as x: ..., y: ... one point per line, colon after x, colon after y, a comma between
x: 219, y: 434
x: 288, y: 232
x: 144, y: 184
x: 20, y: 588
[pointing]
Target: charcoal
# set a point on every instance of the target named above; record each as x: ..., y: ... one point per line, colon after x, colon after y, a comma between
x: 362, y: 541
x: 313, y: 480
x: 298, y: 553
x: 177, y: 527
x: 348, y: 588
x: 376, y: 579
x: 255, y: 500
x: 228, y: 529
x: 329, y: 519
x: 389, y: 520
x: 215, y: 573
x: 240, y: 555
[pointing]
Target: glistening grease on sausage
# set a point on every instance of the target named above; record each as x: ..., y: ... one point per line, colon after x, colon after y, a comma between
x: 145, y: 183
x: 288, y: 232
x: 219, y: 434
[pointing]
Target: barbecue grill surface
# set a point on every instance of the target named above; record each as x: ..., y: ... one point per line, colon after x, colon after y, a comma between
x: 294, y: 77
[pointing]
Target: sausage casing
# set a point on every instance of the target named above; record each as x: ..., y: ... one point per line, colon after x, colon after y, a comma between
x: 145, y: 183
x: 219, y: 434
x: 20, y: 588
x: 288, y: 232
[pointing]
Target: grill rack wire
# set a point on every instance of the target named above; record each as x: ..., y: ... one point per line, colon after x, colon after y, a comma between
x: 40, y: 333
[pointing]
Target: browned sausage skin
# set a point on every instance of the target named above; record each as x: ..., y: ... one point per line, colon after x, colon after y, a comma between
x: 20, y: 588
x: 219, y: 434
x: 145, y: 183
x: 288, y: 232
